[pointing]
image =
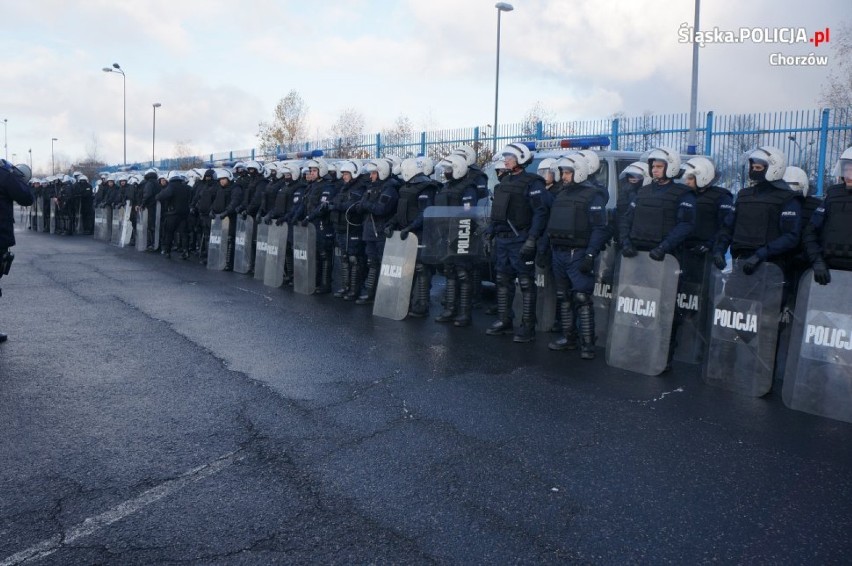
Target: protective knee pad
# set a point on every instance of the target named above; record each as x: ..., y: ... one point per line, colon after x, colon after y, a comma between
x: 526, y: 283
x: 503, y: 279
x: 583, y: 299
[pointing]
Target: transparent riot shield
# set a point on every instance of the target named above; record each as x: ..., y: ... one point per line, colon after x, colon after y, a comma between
x: 602, y: 293
x: 692, y: 308
x: 78, y: 217
x: 641, y: 320
x: 305, y: 259
x: 142, y: 229
x: 393, y: 291
x: 52, y: 219
x: 103, y: 224
x: 244, y: 244
x: 453, y: 232
x: 744, y: 329
x: 157, y: 218
x: 818, y: 376
x: 218, y: 244
x: 545, y: 300
x: 33, y: 224
x: 117, y: 226
x: 276, y: 251
x: 40, y: 216
x: 260, y: 251
x: 126, y: 225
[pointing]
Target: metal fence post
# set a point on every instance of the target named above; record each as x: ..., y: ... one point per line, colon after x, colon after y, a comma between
x: 378, y: 145
x: 708, y: 134
x: 823, y: 147
x: 614, y: 134
x: 539, y: 130
x: 252, y: 154
x: 423, y: 143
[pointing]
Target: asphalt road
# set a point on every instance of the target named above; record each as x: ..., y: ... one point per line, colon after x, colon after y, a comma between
x: 153, y: 412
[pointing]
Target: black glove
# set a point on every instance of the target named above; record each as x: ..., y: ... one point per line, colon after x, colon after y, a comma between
x: 588, y: 263
x: 629, y: 251
x: 528, y: 249
x: 488, y: 244
x: 719, y: 261
x: 657, y: 254
x: 750, y: 265
x: 403, y: 234
x: 700, y: 249
x: 303, y: 223
x: 243, y: 215
x: 267, y: 220
x: 211, y: 215
x: 542, y: 259
x: 388, y: 231
x: 821, y: 273
x: 279, y: 221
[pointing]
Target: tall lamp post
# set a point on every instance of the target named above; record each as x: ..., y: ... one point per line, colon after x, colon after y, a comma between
x: 5, y: 142
x: 31, y: 159
x: 52, y: 161
x: 501, y: 7
x: 116, y: 68
x: 692, y: 142
x: 154, y: 134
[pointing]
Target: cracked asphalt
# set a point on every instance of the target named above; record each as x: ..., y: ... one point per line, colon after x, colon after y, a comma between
x: 153, y: 412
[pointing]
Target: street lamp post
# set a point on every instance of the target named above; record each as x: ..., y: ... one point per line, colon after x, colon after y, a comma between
x: 116, y: 68
x: 154, y: 134
x: 501, y: 7
x: 5, y: 141
x: 692, y: 143
x: 31, y: 159
x: 52, y: 161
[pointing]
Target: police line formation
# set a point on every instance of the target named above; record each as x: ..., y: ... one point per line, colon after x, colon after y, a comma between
x: 648, y: 276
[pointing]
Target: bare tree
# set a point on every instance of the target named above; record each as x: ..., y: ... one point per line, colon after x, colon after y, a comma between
x: 538, y: 112
x: 837, y: 90
x: 400, y: 134
x: 185, y: 156
x: 289, y: 124
x: 347, y: 131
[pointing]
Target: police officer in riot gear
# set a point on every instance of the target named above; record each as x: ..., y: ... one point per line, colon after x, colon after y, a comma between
x: 576, y: 232
x: 228, y: 198
x: 201, y: 205
x: 87, y: 206
x: 631, y: 179
x: 347, y: 222
x: 150, y: 189
x: 281, y: 211
x: 662, y: 215
x: 713, y: 206
x: 415, y: 195
x: 377, y: 205
x: 828, y: 236
x: 459, y: 190
x: 175, y: 199
x: 314, y: 208
x: 518, y: 218
x: 766, y: 219
x: 13, y: 189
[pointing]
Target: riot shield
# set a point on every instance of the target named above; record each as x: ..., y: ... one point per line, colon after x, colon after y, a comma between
x: 78, y: 217
x: 604, y: 279
x: 744, y: 329
x: 117, y: 225
x: 33, y: 224
x: 126, y: 226
x: 40, y: 217
x: 142, y: 229
x: 276, y: 251
x: 818, y: 377
x: 545, y: 300
x: 52, y: 219
x: 305, y: 259
x: 218, y: 244
x: 393, y: 291
x: 641, y: 322
x: 103, y: 224
x: 453, y: 232
x: 260, y: 251
x: 244, y: 244
x: 692, y: 308
x: 157, y: 218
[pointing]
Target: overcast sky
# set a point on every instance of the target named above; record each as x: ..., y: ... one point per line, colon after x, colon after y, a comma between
x: 218, y: 68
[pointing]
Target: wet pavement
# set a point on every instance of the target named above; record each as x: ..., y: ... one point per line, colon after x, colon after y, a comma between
x: 152, y: 411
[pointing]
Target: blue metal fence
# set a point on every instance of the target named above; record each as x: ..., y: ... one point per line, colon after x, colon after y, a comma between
x: 812, y: 140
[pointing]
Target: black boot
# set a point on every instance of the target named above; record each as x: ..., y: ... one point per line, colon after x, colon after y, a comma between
x: 344, y: 278
x: 326, y: 264
x: 288, y: 266
x: 586, y: 314
x: 356, y: 277
x: 568, y: 341
x: 229, y: 254
x: 504, y: 320
x: 449, y: 312
x: 526, y: 332
x: 422, y: 283
x: 465, y: 300
x: 476, y: 291
x: 369, y: 292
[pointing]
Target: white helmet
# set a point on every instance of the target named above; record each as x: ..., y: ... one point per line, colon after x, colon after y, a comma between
x: 119, y: 177
x: 25, y: 170
x: 667, y: 155
x: 176, y: 176
x: 845, y: 159
x: 520, y: 152
x: 639, y: 169
x: 270, y: 170
x: 253, y: 165
x: 427, y: 166
x: 454, y: 163
x: 592, y: 160
x: 220, y: 173
x: 319, y: 164
x: 76, y: 174
x: 348, y: 166
x: 292, y: 168
x: 546, y: 165
x: 797, y: 179
x: 81, y: 178
x: 772, y: 158
x: 409, y: 168
x: 575, y: 163
x: 332, y: 168
x: 499, y: 163
x: 381, y: 166
x: 134, y: 179
x: 702, y: 169
x: 467, y: 152
x: 395, y: 163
